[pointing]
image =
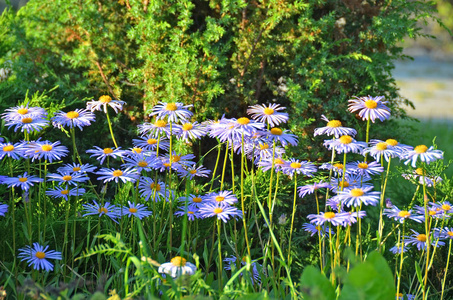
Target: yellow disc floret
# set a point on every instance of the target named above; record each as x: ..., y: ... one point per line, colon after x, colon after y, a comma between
x: 103, y: 210
x: 404, y: 214
x: 345, y: 139
x: 268, y: 111
x: 40, y: 255
x: 171, y: 107
x: 178, y: 261
x: 357, y: 192
x: 276, y: 131
x: 67, y: 177
x: 381, y: 146
x: 329, y: 215
x: 105, y: 99
x: 23, y: 179
x: 22, y: 111
x: 243, y: 121
x: 8, y: 148
x: 46, y: 148
x: 27, y: 120
x: 108, y: 150
x: 187, y: 126
x: 295, y: 165
x: 218, y: 210
x: 133, y: 210
x: 219, y: 198
x: 362, y: 165
x: 420, y: 149
x: 421, y: 237
x: 72, y: 115
x: 371, y: 104
x: 334, y: 124
x: 160, y: 123
x: 151, y: 141
x: 117, y: 173
x: 391, y: 142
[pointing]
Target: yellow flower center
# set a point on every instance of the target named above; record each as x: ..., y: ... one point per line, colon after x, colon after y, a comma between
x: 46, y: 148
x: 178, y: 261
x: 171, y: 106
x: 160, y: 123
x: 264, y: 146
x: 190, y: 212
x: 151, y: 141
x: 219, y: 198
x: 334, y: 124
x: 137, y: 150
x: 167, y: 165
x: 338, y: 166
x: 404, y: 214
x: 446, y: 206
x: 67, y: 177
x: 381, y: 146
x: 343, y: 184
x: 420, y: 149
x: 196, y: 200
x: 276, y: 131
x: 72, y: 115
x: 363, y: 165
x: 40, y: 255
x: 193, y: 172
x: 399, y: 295
x: 218, y: 210
x: 450, y: 233
x: 175, y: 158
x: 371, y: 104
x: 23, y: 179
x: 64, y: 192
x: 27, y: 120
x: 345, y: 139
x: 76, y: 169
x: 105, y: 99
x: 243, y: 121
x: 419, y: 171
x: 8, y: 148
x: 103, y: 210
x: 142, y: 164
x: 421, y: 237
x: 155, y: 186
x: 279, y: 161
x: 268, y: 111
x: 187, y: 126
x: 133, y: 210
x: 117, y: 173
x: 432, y: 212
x: 357, y: 192
x: 108, y: 150
x: 329, y: 215
x: 391, y: 142
x: 22, y: 111
x: 295, y: 165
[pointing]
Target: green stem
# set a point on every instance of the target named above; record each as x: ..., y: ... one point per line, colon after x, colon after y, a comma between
x: 446, y: 270
x: 219, y: 243
x: 111, y: 129
x: 292, y: 217
x: 242, y: 197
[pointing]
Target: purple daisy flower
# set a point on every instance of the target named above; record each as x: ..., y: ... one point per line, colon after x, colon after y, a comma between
x: 370, y: 108
x: 15, y: 151
x: 38, y: 256
x: 24, y: 111
x: 115, y: 175
x: 300, y: 167
x: 401, y: 215
x: 137, y: 210
x: 334, y: 218
x: 47, y: 150
x: 345, y: 144
x: 423, y: 153
x: 153, y: 190
x: 282, y: 136
x: 175, y: 111
x: 139, y: 162
x: 193, y: 171
x: 335, y: 128
x: 69, y: 178
x: 158, y: 128
x: 76, y: 118
x: 76, y: 168
x: 24, y: 181
x: 3, y: 209
x: 27, y: 124
x: 229, y: 261
x: 107, y: 209
x: 268, y: 114
x: 267, y: 164
x: 222, y: 211
x: 221, y: 197
x: 191, y: 212
x: 358, y: 196
x: 103, y: 102
x: 193, y: 200
x: 398, y: 247
x: 365, y: 169
x: 59, y: 192
x: 311, y: 188
x: 420, y: 240
x: 102, y: 154
x: 381, y: 149
x: 151, y: 142
x: 190, y: 131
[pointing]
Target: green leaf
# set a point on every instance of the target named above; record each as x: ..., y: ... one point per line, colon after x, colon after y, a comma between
x: 419, y: 273
x: 315, y: 285
x: 370, y: 280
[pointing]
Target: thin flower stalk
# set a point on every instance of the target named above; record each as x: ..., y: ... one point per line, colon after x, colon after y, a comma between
x: 292, y: 217
x: 381, y: 204
x: 446, y: 270
x: 242, y: 195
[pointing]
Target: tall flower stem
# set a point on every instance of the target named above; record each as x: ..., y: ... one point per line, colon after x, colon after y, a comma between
x: 224, y: 166
x: 110, y: 128
x: 401, y: 261
x: 292, y: 217
x: 446, y: 269
x: 242, y: 196
x: 219, y: 247
x: 219, y: 150
x: 427, y: 232
x: 381, y: 204
x: 367, y: 135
